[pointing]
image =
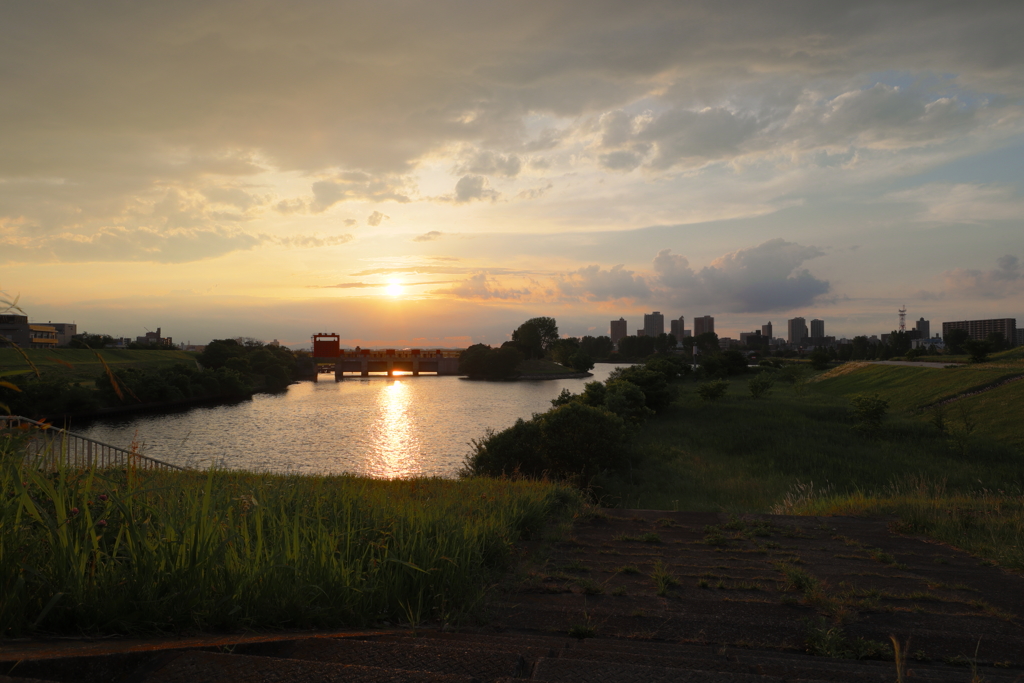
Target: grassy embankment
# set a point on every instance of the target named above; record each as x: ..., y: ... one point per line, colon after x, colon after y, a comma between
x: 744, y: 455
x: 134, y: 552
x: 85, y: 366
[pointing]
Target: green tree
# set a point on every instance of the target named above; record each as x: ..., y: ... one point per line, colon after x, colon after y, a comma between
x: 597, y: 347
x: 658, y: 395
x: 581, y: 362
x: 706, y: 342
x: 482, y: 362
x: 548, y: 329
x: 977, y: 350
x: 563, y: 349
x: 955, y: 340
x: 527, y: 338
x: 819, y: 359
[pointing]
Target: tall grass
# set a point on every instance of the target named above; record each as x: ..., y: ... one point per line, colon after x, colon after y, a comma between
x: 987, y: 523
x: 741, y: 454
x: 127, y: 551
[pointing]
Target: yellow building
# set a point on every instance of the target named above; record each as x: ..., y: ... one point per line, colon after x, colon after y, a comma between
x: 42, y: 337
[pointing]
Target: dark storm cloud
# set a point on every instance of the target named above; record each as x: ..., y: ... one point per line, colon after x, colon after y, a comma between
x: 764, y: 278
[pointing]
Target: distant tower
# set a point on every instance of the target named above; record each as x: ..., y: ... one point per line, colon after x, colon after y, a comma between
x: 654, y: 324
x: 903, y: 319
x: 618, y: 330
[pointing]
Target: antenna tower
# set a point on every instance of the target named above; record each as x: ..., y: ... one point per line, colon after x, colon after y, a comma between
x: 903, y: 319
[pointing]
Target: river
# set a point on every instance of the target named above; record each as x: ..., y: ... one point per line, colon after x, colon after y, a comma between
x: 383, y: 427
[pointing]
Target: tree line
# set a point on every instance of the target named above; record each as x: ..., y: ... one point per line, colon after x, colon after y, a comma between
x: 227, y: 369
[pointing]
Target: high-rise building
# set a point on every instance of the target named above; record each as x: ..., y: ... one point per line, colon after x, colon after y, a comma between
x: 677, y: 327
x: 924, y: 327
x: 766, y: 331
x: 619, y: 330
x: 703, y: 324
x: 817, y: 328
x: 797, y: 330
x: 751, y: 338
x: 654, y: 324
x: 980, y: 329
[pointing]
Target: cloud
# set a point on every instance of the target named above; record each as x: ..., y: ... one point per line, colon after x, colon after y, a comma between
x: 592, y: 283
x: 114, y: 244
x: 358, y: 285
x: 1005, y: 280
x: 351, y: 285
x: 472, y: 187
x: 121, y: 244
x: 481, y: 287
x: 311, y: 241
x: 764, y: 278
x: 534, y: 192
x: 962, y: 202
x: 486, y: 162
x: 428, y: 236
x: 375, y: 218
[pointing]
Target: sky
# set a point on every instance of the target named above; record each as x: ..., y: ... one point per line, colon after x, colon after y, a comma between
x: 435, y: 173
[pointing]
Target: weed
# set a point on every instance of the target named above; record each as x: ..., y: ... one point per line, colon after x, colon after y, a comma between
x: 734, y: 524
x: 703, y: 583
x: 619, y: 590
x: 589, y: 587
x: 712, y: 391
x: 628, y: 569
x: 663, y: 579
x: 713, y: 536
x: 576, y: 566
x: 649, y: 537
x: 581, y: 631
x: 798, y: 579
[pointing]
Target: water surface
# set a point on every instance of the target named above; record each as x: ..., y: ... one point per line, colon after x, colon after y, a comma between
x: 379, y: 426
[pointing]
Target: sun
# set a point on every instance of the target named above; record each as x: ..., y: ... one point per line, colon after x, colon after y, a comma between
x: 394, y: 288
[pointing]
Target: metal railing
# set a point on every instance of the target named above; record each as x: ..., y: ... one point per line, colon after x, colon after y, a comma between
x: 47, y: 445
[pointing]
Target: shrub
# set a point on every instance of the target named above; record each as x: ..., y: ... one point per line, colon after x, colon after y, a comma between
x: 712, y: 391
x: 626, y: 400
x: 658, y: 395
x: 870, y: 411
x: 761, y: 384
x: 581, y: 362
x: 570, y: 440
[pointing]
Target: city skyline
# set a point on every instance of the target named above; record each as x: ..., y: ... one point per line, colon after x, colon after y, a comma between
x: 435, y: 174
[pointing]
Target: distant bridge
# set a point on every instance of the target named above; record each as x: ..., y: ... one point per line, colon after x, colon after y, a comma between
x: 327, y: 351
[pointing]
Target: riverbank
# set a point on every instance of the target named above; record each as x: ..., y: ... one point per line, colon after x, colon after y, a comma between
x: 156, y: 552
x: 84, y: 365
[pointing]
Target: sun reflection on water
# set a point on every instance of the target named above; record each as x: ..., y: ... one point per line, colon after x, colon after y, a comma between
x: 397, y: 446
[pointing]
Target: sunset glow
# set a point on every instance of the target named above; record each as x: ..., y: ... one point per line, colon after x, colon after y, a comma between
x: 446, y: 171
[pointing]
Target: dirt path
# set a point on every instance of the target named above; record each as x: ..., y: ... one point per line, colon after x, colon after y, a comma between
x: 834, y: 585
